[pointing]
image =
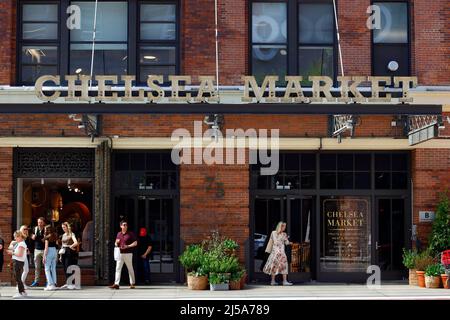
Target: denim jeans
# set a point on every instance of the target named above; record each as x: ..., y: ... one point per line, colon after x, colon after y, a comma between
x: 50, y: 266
x: 146, y: 267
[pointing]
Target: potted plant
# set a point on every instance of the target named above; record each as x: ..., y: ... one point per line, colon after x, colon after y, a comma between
x: 433, y: 275
x: 440, y: 234
x: 235, y: 280
x: 218, y: 282
x: 230, y: 246
x: 445, y: 282
x: 423, y: 260
x: 192, y: 260
x: 409, y: 261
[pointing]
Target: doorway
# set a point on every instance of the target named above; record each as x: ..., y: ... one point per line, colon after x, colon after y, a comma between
x: 298, y: 213
x: 157, y: 215
x: 391, y: 232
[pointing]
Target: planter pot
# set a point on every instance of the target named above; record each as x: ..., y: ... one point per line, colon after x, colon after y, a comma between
x: 197, y: 283
x: 219, y: 287
x: 235, y: 285
x: 432, y: 281
x: 413, y: 277
x: 421, y: 278
x: 445, y: 281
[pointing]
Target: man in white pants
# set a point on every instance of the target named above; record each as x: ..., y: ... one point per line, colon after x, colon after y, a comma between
x: 126, y: 241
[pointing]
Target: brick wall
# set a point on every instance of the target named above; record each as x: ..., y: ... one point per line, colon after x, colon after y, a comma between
x: 6, y: 195
x: 7, y: 41
x: 431, y: 175
x: 214, y: 197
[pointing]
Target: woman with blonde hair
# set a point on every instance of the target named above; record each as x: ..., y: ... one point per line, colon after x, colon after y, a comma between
x: 19, y: 255
x: 26, y: 268
x: 68, y: 251
x: 277, y: 262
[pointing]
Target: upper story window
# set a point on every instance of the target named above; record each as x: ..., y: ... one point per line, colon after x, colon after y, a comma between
x: 132, y: 37
x: 390, y: 43
x: 286, y: 44
x: 110, y: 57
x: 38, y: 37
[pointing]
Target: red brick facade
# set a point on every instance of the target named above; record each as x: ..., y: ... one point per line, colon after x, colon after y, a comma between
x: 6, y: 201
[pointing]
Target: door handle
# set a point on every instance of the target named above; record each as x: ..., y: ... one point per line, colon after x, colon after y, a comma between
x: 377, y: 246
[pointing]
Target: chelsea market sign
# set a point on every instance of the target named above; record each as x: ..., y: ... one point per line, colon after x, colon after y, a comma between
x: 78, y: 89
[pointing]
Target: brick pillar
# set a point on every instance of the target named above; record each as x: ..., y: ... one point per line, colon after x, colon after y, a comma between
x: 6, y: 202
x: 431, y: 175
x: 214, y: 197
x: 7, y: 41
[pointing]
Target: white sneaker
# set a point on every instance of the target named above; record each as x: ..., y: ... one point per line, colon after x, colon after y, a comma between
x: 287, y: 283
x: 273, y: 283
x: 71, y: 287
x: 50, y: 288
x: 64, y: 287
x: 24, y: 294
x: 17, y: 296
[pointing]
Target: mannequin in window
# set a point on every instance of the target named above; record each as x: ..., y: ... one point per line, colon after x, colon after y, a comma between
x: 56, y: 203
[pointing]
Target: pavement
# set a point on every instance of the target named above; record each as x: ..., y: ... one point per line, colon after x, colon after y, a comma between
x: 308, y: 291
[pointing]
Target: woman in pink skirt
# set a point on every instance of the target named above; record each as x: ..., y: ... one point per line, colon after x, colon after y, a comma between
x: 277, y: 262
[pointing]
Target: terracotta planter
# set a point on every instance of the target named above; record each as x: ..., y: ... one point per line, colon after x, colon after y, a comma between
x: 197, y: 283
x: 445, y: 281
x: 432, y: 282
x: 235, y: 285
x: 413, y: 277
x: 243, y: 280
x: 421, y: 278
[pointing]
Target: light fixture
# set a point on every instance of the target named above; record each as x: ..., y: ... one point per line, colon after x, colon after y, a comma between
x: 81, y: 126
x: 78, y: 71
x: 42, y: 181
x: 393, y: 66
x: 76, y: 190
x: 149, y: 57
x: 283, y: 52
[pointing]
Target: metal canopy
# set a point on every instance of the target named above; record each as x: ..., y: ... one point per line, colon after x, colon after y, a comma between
x: 210, y: 108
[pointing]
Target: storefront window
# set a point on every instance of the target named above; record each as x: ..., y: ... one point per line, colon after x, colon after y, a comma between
x: 57, y: 201
x: 345, y: 241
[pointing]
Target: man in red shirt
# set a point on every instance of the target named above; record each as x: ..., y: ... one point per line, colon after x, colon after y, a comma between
x: 126, y: 241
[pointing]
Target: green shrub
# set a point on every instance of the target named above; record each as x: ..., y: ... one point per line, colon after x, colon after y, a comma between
x: 217, y: 278
x: 192, y: 257
x: 423, y: 260
x: 440, y: 235
x: 434, y: 270
x: 230, y: 244
x: 409, y: 258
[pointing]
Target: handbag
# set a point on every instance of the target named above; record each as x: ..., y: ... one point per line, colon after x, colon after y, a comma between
x: 62, y: 250
x: 116, y: 253
x: 269, y: 245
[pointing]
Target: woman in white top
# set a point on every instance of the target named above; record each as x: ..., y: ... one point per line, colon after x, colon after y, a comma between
x: 26, y: 267
x: 68, y: 252
x: 19, y: 255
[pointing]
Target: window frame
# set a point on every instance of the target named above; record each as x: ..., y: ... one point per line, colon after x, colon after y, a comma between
x: 20, y: 42
x: 63, y: 41
x: 406, y: 45
x: 293, y: 42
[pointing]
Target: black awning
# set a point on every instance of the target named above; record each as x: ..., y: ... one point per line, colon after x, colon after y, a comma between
x: 208, y: 108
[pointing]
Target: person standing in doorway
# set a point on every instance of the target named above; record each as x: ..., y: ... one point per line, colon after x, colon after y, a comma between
x: 19, y: 255
x: 144, y: 250
x: 50, y: 257
x: 126, y: 241
x: 277, y: 263
x: 68, y: 251
x: 39, y: 247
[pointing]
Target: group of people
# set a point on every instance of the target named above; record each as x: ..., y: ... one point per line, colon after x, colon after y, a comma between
x: 46, y: 243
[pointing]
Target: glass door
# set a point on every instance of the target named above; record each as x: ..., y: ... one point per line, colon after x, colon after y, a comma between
x: 391, y: 225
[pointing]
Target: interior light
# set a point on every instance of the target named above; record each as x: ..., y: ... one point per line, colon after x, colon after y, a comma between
x: 149, y: 57
x: 78, y: 71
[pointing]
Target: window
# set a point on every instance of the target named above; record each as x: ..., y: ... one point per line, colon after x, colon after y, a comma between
x: 391, y: 171
x: 157, y: 40
x: 110, y: 55
x: 132, y: 37
x: 296, y: 45
x: 391, y: 42
x: 38, y: 41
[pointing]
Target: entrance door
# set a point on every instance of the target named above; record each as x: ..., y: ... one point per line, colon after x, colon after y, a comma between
x: 157, y: 216
x: 298, y: 213
x: 392, y: 226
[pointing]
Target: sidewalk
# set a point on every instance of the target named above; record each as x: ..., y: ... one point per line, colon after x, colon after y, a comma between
x: 310, y: 291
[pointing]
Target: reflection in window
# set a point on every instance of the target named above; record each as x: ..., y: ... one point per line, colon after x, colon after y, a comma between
x: 111, y: 39
x: 157, y: 41
x: 269, y: 40
x: 39, y: 41
x: 57, y: 201
x: 316, y: 38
